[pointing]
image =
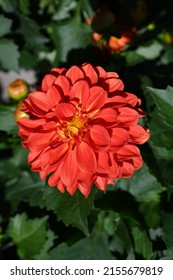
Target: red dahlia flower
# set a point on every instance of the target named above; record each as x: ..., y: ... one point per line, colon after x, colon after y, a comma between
x: 83, y: 129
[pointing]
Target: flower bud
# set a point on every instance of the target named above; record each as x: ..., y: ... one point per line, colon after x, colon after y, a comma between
x: 18, y: 89
x: 19, y: 113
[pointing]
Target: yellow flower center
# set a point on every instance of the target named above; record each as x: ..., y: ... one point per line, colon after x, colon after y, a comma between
x: 74, y: 125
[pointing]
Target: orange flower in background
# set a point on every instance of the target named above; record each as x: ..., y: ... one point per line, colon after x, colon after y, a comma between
x: 18, y: 89
x: 83, y: 129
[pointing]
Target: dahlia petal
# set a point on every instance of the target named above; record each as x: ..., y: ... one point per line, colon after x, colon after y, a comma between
x: 100, y: 135
x: 32, y: 156
x: 84, y: 188
x: 109, y: 115
x: 112, y: 83
x: 103, y: 162
x: 36, y: 165
x: 85, y: 182
x: 65, y: 111
x: 101, y: 73
x: 115, y: 102
x: 31, y: 124
x: 57, y: 71
x: 47, y: 81
x: 39, y: 100
x: 101, y: 183
x: 24, y: 133
x: 113, y: 170
x: 59, y: 153
x: 90, y: 73
x: 97, y: 99
x: 119, y: 137
x: 45, y: 157
x: 73, y: 187
x: 138, y: 135
x: 112, y: 75
x: 54, y: 178
x: 53, y: 96
x: 131, y: 99
x: 137, y: 162
x: 74, y: 74
x: 127, y: 169
x: 63, y: 83
x: 127, y: 116
x: 38, y: 141
x: 80, y: 90
x: 51, y: 125
x: 127, y: 152
x: 86, y: 158
x: 69, y: 171
x: 60, y: 186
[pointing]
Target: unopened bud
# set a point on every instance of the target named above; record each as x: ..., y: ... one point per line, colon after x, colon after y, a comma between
x: 18, y: 89
x: 19, y: 113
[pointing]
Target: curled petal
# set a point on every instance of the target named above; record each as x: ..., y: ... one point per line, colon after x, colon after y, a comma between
x: 80, y: 92
x: 65, y: 111
x: 74, y: 74
x: 47, y: 81
x: 90, y: 73
x: 127, y: 117
x: 127, y: 169
x: 119, y: 138
x: 39, y: 100
x: 107, y: 115
x: 138, y: 135
x: 63, y: 84
x: 127, y: 152
x: 54, y: 96
x: 112, y: 83
x: 101, y: 73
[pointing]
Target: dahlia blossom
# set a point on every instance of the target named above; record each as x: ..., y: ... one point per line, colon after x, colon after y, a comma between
x: 83, y: 129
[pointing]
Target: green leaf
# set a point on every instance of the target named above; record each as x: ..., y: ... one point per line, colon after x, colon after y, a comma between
x: 164, y: 102
x: 132, y: 58
x: 5, y: 24
x: 63, y: 9
x: 146, y: 190
x: 69, y: 34
x: 72, y: 210
x: 28, y: 235
x: 31, y: 32
x: 85, y: 249
x: 93, y: 247
x: 167, y: 219
x: 44, y: 253
x: 24, y: 6
x: 7, y: 122
x: 142, y: 244
x: 142, y: 184
x: 9, y: 55
x: 28, y: 188
x: 150, y: 51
